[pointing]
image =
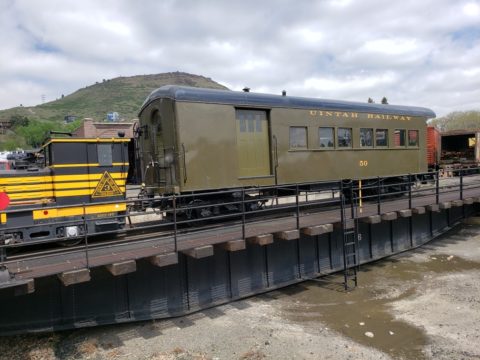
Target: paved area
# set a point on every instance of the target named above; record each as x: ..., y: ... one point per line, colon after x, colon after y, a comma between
x: 422, y: 304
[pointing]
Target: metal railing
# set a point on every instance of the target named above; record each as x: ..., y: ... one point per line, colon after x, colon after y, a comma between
x: 170, y: 217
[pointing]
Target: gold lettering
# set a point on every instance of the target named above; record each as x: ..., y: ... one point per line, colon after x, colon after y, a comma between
x: 369, y: 116
x: 354, y: 115
x: 328, y: 113
x: 313, y: 112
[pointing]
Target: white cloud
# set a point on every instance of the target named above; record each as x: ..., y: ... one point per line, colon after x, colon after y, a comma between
x: 418, y: 53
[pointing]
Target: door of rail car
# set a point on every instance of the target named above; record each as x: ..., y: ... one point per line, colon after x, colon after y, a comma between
x: 253, y: 146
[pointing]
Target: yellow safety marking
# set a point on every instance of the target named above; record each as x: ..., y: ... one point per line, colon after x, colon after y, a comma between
x: 56, y: 186
x: 106, y: 187
x: 25, y: 188
x: 97, y: 140
x: 58, y: 193
x: 78, y: 211
x: 25, y: 180
x: 3, y: 218
x: 58, y: 166
x: 82, y: 185
x: 56, y: 178
x: 63, y: 193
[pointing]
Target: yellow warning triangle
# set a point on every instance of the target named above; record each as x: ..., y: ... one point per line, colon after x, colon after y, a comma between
x: 106, y: 187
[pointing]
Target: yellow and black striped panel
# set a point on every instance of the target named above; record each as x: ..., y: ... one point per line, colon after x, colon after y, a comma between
x: 49, y: 213
x: 55, y: 186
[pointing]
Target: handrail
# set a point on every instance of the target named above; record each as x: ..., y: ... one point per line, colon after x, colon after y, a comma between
x: 255, y: 204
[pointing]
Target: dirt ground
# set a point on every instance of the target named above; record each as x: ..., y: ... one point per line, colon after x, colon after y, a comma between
x: 423, y: 304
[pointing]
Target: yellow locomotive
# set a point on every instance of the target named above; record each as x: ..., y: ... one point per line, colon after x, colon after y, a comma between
x: 79, y: 189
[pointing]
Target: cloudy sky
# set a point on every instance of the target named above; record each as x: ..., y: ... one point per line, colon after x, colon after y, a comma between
x: 424, y: 53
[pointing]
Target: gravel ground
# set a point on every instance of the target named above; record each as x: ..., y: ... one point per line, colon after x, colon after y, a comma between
x: 420, y: 304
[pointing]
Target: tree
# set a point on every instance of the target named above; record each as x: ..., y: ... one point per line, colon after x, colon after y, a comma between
x: 18, y: 121
x: 370, y: 100
x: 384, y: 100
x: 9, y: 145
x: 36, y: 132
x: 458, y: 120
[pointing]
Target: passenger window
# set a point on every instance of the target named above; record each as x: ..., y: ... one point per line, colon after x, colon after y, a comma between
x: 399, y: 137
x: 325, y: 137
x: 412, y: 137
x: 104, y: 154
x: 381, y: 137
x: 344, y: 136
x: 298, y: 137
x: 366, y: 137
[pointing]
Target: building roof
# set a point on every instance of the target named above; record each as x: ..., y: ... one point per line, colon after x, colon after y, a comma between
x: 250, y: 99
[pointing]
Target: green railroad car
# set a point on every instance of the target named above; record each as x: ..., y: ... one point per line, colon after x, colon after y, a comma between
x: 197, y: 140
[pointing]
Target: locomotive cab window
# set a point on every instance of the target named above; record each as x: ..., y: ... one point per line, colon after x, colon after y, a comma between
x: 381, y: 137
x: 325, y: 137
x: 413, y: 138
x: 366, y: 137
x: 399, y: 137
x: 344, y: 137
x: 105, y: 154
x: 298, y: 137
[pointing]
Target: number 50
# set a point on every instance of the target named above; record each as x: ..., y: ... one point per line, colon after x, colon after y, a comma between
x: 363, y: 163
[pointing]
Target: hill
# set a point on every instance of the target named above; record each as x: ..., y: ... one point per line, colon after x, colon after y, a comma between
x: 123, y: 95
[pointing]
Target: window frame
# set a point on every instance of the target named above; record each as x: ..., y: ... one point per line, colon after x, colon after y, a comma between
x: 386, y: 138
x: 400, y: 146
x: 290, y: 138
x: 332, y: 128
x: 350, y: 146
x: 371, y: 138
x: 417, y: 138
x: 101, y: 159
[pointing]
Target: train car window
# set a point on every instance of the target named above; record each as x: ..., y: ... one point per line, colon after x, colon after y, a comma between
x: 366, y: 137
x: 298, y: 137
x: 381, y: 137
x: 412, y: 137
x: 105, y: 157
x: 344, y: 136
x: 326, y: 137
x: 399, y: 137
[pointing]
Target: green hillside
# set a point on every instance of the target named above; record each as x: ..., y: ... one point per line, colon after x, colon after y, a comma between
x: 123, y: 95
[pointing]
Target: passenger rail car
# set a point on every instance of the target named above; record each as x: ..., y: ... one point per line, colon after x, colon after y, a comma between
x: 80, y: 188
x: 197, y: 140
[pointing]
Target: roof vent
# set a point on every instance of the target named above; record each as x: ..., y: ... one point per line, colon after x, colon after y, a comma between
x: 284, y: 93
x: 246, y: 89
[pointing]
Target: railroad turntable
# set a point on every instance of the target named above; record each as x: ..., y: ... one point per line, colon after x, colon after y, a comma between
x: 241, y: 193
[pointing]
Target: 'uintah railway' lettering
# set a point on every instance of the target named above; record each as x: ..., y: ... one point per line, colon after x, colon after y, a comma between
x: 354, y: 115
